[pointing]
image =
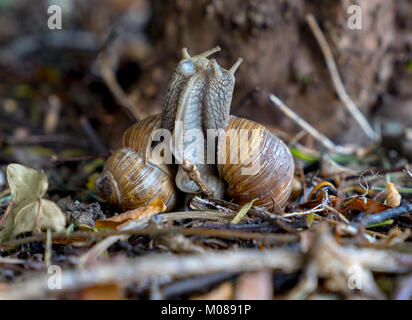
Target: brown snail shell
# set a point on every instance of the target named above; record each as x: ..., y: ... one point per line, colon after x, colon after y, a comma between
x: 271, y: 183
x: 129, y: 179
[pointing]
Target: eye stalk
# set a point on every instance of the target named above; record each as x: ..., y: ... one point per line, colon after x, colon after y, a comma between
x: 190, y: 65
x: 188, y: 68
x: 233, y: 69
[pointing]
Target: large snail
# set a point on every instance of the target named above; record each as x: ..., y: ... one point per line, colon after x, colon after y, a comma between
x: 234, y: 156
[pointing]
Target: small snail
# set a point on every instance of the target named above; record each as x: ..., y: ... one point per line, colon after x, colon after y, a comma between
x: 247, y: 162
x: 130, y: 179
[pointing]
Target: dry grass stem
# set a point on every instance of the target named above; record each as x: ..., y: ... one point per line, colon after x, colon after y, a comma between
x: 337, y: 81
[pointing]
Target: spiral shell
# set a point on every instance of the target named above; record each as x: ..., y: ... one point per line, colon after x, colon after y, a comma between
x: 130, y: 179
x: 255, y: 164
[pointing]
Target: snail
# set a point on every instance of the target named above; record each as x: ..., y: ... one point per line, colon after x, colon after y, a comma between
x: 130, y: 178
x: 234, y: 156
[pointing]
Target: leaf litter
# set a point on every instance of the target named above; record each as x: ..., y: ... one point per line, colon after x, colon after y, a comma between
x: 345, y: 232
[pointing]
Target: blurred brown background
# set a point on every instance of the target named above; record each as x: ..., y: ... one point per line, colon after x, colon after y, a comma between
x: 53, y: 99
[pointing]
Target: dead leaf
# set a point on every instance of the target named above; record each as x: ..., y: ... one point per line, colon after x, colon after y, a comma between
x: 393, y: 198
x: 360, y: 204
x: 119, y: 221
x: 27, y: 187
x: 102, y: 292
x: 350, y: 204
x: 342, y: 269
x: 26, y: 184
x: 51, y: 217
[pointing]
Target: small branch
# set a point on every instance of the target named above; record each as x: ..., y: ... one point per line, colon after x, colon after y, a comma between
x: 194, y: 174
x: 337, y: 81
x: 376, y: 171
x: 48, y: 249
x: 37, y: 225
x: 164, y: 265
x: 318, y: 208
x: 6, y: 260
x: 325, y: 141
x: 208, y: 215
x: 93, y: 253
x: 91, y: 236
x: 110, y: 79
x: 99, y: 248
x: 255, y: 211
x: 405, y: 290
x: 156, y: 266
x: 233, y: 208
x: 387, y: 214
x: 408, y: 173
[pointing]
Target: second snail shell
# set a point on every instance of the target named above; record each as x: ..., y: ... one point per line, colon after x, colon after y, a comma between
x: 267, y: 176
x: 130, y: 179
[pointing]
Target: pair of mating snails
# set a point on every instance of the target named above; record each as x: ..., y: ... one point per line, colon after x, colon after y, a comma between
x: 198, y: 99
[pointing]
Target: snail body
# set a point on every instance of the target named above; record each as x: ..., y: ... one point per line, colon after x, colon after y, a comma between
x: 252, y: 163
x: 198, y: 98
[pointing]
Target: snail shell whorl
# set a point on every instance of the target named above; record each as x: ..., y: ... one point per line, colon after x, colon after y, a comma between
x: 272, y: 183
x: 129, y: 179
x: 139, y: 136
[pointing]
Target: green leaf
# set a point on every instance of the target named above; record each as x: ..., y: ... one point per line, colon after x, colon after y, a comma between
x: 51, y: 217
x: 345, y: 159
x: 383, y: 223
x: 303, y: 156
x: 310, y: 219
x: 26, y: 184
x: 242, y: 212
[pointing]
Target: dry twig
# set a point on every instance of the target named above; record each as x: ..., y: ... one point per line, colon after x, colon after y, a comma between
x: 110, y: 78
x: 387, y: 214
x: 325, y: 141
x: 158, y: 266
x: 181, y: 266
x: 337, y: 81
x: 194, y: 174
x: 92, y: 236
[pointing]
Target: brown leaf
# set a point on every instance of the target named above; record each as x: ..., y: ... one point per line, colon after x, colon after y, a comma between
x: 371, y: 206
x: 102, y: 292
x: 393, y: 198
x: 28, y: 211
x: 116, y: 222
